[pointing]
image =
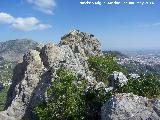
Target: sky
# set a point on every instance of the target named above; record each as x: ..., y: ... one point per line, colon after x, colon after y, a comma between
x: 118, y: 27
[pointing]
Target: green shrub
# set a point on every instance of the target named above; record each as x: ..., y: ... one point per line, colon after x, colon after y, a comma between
x: 94, y: 101
x: 6, y: 71
x: 103, y: 66
x: 66, y: 99
x: 3, y: 96
x: 146, y: 85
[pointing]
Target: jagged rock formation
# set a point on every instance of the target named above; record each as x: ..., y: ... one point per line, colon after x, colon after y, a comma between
x: 83, y: 43
x: 26, y: 79
x: 33, y: 76
x: 13, y: 50
x: 128, y: 107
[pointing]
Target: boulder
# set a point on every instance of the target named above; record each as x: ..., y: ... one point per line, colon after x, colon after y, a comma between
x: 117, y: 79
x: 128, y: 107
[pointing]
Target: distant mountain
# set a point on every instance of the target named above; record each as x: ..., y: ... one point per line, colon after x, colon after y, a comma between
x: 13, y: 50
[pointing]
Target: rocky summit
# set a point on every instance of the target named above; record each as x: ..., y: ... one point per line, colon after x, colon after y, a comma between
x: 33, y: 77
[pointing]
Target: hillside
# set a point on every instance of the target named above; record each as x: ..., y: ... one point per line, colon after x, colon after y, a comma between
x: 13, y: 50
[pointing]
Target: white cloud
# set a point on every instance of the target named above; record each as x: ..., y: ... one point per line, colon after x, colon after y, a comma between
x: 46, y: 6
x: 23, y: 24
x: 6, y: 18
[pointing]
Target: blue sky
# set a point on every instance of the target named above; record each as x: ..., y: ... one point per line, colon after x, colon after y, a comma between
x: 118, y: 27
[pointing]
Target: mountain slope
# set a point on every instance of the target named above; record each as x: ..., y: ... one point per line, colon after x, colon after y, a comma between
x: 13, y: 50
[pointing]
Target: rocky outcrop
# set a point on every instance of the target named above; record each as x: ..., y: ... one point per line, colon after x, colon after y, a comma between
x: 83, y: 43
x: 33, y: 76
x: 117, y: 79
x: 26, y: 78
x: 128, y: 107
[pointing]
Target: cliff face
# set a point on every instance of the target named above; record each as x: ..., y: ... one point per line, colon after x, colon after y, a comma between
x: 32, y: 77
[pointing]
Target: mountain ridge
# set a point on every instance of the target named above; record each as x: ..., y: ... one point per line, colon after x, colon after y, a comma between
x: 13, y: 50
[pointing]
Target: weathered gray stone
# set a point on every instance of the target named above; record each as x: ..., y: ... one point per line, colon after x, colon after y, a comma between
x: 33, y: 76
x: 156, y: 106
x: 50, y: 54
x: 4, y: 116
x: 20, y: 93
x: 83, y: 43
x: 128, y: 107
x: 117, y: 79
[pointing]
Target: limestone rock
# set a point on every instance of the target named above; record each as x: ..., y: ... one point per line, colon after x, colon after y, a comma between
x: 50, y: 53
x: 4, y: 116
x: 117, y: 79
x: 83, y: 43
x: 128, y: 107
x: 33, y: 76
x: 25, y: 80
x: 156, y: 106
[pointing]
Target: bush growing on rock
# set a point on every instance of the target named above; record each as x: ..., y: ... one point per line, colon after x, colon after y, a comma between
x: 66, y: 99
x: 103, y: 66
x: 94, y: 101
x: 146, y: 85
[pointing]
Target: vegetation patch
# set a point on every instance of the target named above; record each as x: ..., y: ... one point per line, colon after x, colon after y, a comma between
x: 66, y: 99
x: 146, y: 86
